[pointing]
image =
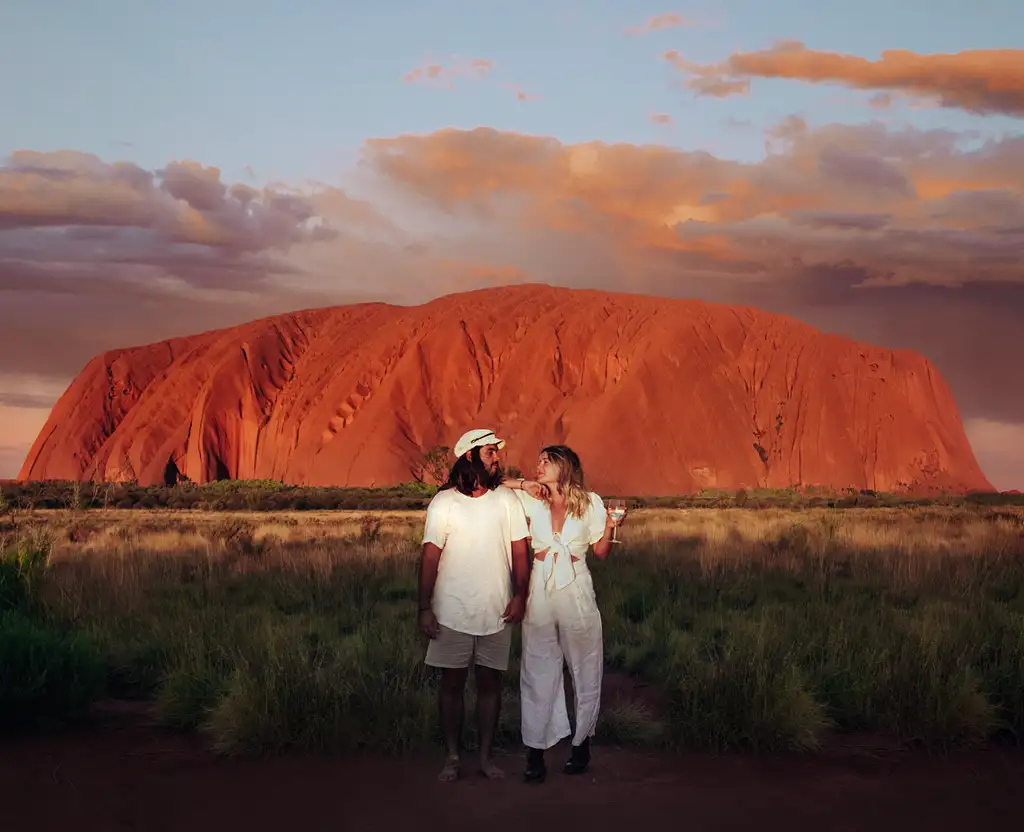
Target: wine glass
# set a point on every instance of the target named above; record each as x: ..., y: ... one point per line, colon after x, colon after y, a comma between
x: 617, y: 510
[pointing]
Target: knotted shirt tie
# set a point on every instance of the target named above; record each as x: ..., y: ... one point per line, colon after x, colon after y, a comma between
x: 558, y: 565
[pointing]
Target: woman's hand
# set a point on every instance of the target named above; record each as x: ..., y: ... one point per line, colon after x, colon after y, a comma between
x: 610, y: 521
x: 536, y: 490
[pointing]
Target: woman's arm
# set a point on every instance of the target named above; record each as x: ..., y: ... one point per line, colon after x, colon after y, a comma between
x: 534, y: 489
x: 604, y: 545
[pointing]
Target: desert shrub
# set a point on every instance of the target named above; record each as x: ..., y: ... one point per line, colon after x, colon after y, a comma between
x: 187, y: 693
x: 13, y: 591
x: 46, y: 674
x: 751, y: 695
x: 366, y: 689
x: 631, y: 723
x: 269, y: 495
x: 23, y: 563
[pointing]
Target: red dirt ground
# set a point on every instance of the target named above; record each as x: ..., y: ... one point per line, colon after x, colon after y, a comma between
x: 128, y: 776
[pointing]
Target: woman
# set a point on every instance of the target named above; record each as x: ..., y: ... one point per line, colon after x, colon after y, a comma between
x: 562, y: 621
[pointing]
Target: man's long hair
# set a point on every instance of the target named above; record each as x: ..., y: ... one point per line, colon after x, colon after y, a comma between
x: 570, y: 479
x: 467, y: 475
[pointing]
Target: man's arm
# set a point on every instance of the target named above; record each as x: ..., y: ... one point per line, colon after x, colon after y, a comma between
x: 519, y: 531
x: 520, y: 568
x: 429, y: 560
x: 516, y: 609
x: 426, y: 619
x: 435, y: 535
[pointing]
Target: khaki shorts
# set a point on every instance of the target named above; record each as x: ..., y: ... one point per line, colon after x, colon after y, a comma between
x: 454, y: 649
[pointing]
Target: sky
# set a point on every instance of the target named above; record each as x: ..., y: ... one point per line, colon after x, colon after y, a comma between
x: 170, y: 169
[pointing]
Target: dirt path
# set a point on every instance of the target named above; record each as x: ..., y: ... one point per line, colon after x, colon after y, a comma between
x: 129, y: 778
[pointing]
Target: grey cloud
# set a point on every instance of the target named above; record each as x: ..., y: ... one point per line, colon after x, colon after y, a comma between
x: 197, y: 185
x: 711, y: 199
x: 71, y: 207
x: 862, y: 170
x: 846, y: 220
x: 996, y: 208
x: 25, y: 400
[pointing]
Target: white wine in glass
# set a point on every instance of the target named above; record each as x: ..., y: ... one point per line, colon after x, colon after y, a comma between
x: 616, y: 510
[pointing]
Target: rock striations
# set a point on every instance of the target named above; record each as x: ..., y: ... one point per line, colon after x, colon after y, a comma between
x: 658, y: 396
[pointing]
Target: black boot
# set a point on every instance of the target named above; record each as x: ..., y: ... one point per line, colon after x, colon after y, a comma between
x: 536, y: 771
x: 579, y: 759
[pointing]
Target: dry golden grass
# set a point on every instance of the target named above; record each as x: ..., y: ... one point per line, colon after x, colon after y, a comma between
x: 717, y: 534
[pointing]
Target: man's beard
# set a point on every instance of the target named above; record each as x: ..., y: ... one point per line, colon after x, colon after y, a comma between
x: 489, y: 479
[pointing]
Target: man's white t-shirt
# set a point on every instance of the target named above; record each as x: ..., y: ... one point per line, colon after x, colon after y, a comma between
x: 474, y: 577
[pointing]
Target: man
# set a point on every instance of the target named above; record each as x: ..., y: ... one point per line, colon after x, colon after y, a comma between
x: 473, y: 542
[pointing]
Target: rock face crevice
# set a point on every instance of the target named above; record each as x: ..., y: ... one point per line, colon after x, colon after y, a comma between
x: 658, y: 396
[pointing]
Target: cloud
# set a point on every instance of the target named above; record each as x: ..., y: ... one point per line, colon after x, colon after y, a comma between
x: 982, y: 81
x: 901, y: 237
x: 71, y: 207
x: 445, y: 75
x: 71, y: 214
x: 709, y: 80
x: 661, y: 118
x: 853, y: 168
x: 25, y: 402
x: 658, y: 23
x: 434, y: 74
x: 765, y: 217
x: 845, y: 220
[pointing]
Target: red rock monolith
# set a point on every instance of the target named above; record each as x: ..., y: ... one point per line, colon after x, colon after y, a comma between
x: 658, y: 396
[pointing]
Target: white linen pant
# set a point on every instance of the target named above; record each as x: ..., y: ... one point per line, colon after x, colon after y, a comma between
x: 560, y: 625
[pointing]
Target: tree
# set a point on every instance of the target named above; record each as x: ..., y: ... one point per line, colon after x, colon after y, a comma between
x: 433, y: 466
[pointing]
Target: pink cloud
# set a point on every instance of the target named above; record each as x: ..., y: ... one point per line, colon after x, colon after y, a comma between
x: 658, y: 23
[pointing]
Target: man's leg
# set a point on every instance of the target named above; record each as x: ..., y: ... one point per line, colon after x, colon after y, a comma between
x: 451, y: 651
x: 492, y: 653
x: 451, y: 705
x: 488, y: 711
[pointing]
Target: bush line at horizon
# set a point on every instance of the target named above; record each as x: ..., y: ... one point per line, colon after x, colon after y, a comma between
x: 760, y: 630
x: 274, y: 496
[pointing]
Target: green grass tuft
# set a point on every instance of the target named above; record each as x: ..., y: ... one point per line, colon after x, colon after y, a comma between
x: 47, y: 675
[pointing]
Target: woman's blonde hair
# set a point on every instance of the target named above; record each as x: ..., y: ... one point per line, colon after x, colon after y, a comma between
x: 570, y: 479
